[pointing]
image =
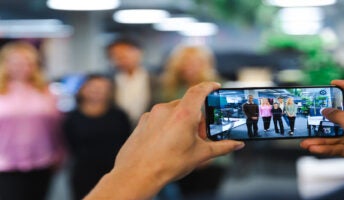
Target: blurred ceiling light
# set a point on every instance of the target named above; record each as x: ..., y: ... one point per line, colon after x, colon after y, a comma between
x: 199, y: 29
x: 301, y: 14
x: 329, y: 38
x: 301, y: 21
x: 301, y: 28
x: 32, y: 28
x: 300, y: 3
x: 140, y: 16
x: 174, y: 23
x: 83, y: 4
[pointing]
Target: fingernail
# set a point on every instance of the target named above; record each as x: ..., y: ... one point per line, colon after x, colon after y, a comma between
x: 239, y: 145
x: 219, y: 84
x: 327, y: 111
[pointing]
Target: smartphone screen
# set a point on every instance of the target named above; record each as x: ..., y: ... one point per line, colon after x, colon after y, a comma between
x: 272, y: 112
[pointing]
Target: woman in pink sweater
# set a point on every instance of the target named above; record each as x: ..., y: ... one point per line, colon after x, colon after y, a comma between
x: 29, y: 122
x: 265, y: 112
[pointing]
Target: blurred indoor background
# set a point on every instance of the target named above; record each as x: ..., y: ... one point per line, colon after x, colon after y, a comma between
x: 255, y: 42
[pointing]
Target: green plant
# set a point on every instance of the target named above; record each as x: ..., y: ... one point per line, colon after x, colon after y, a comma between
x: 241, y: 12
x: 318, y: 65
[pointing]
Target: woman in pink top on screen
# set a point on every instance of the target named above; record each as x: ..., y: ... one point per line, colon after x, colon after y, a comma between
x: 265, y: 112
x: 29, y: 125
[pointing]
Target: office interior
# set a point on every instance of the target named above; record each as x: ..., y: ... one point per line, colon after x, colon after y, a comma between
x: 255, y: 43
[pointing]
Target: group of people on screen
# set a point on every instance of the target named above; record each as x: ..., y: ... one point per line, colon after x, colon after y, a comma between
x: 267, y: 111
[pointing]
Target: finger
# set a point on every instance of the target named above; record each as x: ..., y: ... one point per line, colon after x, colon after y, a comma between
x: 142, y: 124
x: 174, y: 103
x: 223, y: 147
x: 328, y: 149
x: 195, y: 96
x: 339, y: 83
x: 320, y: 141
x: 334, y: 115
x: 202, y: 132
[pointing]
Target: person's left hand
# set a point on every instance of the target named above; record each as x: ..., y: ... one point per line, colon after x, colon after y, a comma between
x: 328, y: 146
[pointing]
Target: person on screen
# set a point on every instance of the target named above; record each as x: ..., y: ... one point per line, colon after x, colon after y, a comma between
x: 281, y: 104
x: 251, y: 111
x: 265, y: 112
x: 277, y: 117
x: 291, y: 110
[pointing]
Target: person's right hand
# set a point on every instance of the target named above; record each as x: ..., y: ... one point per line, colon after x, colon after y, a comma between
x: 168, y: 143
x: 171, y: 139
x: 328, y: 146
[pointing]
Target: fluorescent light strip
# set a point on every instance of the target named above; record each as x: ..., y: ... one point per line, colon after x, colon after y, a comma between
x: 140, y: 16
x: 300, y: 3
x: 34, y: 28
x: 83, y: 4
x: 199, y: 29
x: 174, y: 23
x: 301, y: 28
x: 301, y: 14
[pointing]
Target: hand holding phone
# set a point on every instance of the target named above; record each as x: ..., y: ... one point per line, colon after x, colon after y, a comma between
x: 272, y: 112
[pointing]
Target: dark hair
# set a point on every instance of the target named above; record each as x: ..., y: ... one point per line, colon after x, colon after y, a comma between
x: 276, y: 103
x: 279, y: 97
x: 89, y: 78
x: 124, y: 40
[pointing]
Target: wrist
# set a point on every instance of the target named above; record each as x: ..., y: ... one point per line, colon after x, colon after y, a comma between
x: 128, y: 184
x: 138, y: 183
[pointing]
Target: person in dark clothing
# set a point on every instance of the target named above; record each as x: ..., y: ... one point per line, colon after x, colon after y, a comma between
x: 95, y: 131
x: 251, y: 111
x: 277, y: 117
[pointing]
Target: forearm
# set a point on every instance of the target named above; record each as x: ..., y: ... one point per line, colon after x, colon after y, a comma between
x: 126, y: 185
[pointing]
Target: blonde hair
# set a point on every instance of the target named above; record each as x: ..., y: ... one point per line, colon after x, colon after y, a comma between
x: 290, y: 101
x: 171, y: 78
x: 36, y: 79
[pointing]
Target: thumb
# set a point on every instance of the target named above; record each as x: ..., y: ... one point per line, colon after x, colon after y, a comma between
x: 334, y: 115
x: 222, y: 147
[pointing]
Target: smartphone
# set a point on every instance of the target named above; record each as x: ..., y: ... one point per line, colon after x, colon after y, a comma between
x: 272, y: 112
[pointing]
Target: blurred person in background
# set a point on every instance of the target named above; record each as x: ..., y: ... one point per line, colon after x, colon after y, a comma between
x: 133, y: 83
x: 265, y: 112
x: 291, y: 111
x: 95, y: 131
x: 187, y: 66
x: 30, y: 141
